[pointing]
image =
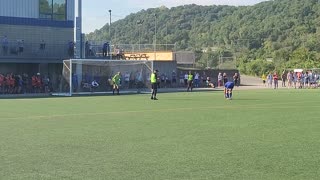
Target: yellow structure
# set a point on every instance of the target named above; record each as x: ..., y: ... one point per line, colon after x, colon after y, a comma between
x: 154, y: 56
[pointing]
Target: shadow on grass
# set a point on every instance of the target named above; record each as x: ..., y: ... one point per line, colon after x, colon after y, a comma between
x: 109, y: 93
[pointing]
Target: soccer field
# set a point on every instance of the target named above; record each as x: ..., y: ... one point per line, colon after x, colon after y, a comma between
x: 260, y: 134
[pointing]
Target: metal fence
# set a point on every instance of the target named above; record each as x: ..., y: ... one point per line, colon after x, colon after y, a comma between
x: 21, y: 49
x: 96, y: 49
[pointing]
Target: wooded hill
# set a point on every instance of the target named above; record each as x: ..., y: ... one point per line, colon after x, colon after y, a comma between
x: 285, y: 31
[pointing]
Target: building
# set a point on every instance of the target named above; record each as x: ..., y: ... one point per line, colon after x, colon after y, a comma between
x: 36, y: 35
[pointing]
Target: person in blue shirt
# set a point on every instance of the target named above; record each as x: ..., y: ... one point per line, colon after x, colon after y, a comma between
x: 228, y: 87
x: 105, y: 49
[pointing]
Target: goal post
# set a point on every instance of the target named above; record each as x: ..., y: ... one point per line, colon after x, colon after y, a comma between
x: 94, y: 76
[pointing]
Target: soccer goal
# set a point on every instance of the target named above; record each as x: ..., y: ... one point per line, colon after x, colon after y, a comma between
x: 94, y: 76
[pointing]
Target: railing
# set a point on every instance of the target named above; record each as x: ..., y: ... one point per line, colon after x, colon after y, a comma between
x: 96, y: 49
x: 62, y: 51
x: 36, y: 50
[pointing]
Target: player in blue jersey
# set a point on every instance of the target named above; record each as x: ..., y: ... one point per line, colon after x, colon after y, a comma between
x: 228, y: 87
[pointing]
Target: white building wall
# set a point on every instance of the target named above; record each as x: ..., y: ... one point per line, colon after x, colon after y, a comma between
x: 70, y: 10
x: 29, y: 8
x: 19, y: 8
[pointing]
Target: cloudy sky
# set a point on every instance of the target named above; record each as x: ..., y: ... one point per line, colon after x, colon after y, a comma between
x: 95, y: 12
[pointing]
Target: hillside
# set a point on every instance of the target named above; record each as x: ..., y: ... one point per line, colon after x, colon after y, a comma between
x: 286, y: 31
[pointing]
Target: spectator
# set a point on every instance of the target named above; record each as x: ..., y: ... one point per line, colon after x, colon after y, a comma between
x: 163, y: 78
x: 38, y: 83
x: 181, y: 78
x: 225, y: 78
x: 75, y: 82
x: 290, y: 79
x: 236, y: 79
x: 196, y: 80
x: 269, y: 80
x: 263, y: 77
x: 94, y: 85
x: 117, y: 52
x: 173, y: 77
x: 122, y: 55
x: 204, y: 77
x: 220, y: 79
x: 87, y: 49
x: 305, y: 79
x: 71, y: 48
x: 209, y: 83
x: 17, y: 84
x: 132, y: 80
x: 283, y: 78
x: 1, y: 83
x: 5, y: 45
x: 25, y: 83
x: 295, y: 79
x: 126, y: 79
x: 105, y: 49
x: 20, y: 46
x: 42, y: 45
x: 186, y: 79
x: 275, y: 80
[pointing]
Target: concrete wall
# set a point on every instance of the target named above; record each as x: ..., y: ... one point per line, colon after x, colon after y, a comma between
x: 34, y: 34
x: 20, y: 8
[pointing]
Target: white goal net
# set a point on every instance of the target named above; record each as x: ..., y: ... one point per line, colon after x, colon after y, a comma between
x: 88, y: 76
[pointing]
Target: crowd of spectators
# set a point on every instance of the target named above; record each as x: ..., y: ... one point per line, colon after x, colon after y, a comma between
x: 23, y: 83
x: 292, y: 79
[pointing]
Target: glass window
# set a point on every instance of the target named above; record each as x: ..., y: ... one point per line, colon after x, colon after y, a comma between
x: 53, y: 9
x: 59, y: 10
x: 45, y: 9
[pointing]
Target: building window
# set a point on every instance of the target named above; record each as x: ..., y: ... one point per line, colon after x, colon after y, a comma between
x: 53, y: 9
x: 45, y: 9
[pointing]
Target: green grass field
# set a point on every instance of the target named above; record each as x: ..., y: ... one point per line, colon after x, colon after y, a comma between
x: 260, y: 134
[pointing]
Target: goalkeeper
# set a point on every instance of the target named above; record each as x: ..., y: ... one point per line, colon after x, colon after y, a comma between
x: 116, y: 82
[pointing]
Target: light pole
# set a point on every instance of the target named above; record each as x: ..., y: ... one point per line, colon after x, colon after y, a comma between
x: 155, y: 36
x: 166, y: 36
x: 139, y: 23
x: 110, y: 35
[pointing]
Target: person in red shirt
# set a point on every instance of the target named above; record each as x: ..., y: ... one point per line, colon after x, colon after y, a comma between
x: 275, y: 80
x: 39, y: 83
x: 34, y: 83
x: 2, y: 78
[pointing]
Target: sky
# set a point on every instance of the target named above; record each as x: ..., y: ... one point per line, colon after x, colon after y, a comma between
x: 95, y: 12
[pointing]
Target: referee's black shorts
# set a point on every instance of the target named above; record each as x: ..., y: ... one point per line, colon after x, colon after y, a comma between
x: 154, y: 86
